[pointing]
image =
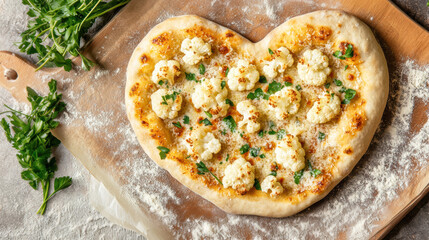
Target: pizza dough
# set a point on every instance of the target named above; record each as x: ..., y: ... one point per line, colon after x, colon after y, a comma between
x: 265, y: 128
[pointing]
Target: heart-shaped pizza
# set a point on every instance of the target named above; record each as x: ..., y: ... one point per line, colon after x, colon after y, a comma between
x: 264, y: 128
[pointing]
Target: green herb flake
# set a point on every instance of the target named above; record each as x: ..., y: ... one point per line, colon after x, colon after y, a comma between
x: 160, y: 82
x: 226, y: 72
x: 280, y: 134
x: 270, y: 51
x: 350, y: 94
x: 338, y: 82
x: 186, y: 119
x: 321, y: 136
x: 254, y: 152
x: 345, y: 67
x: 202, y: 169
x: 223, y: 84
x: 348, y: 54
x: 313, y: 171
x: 223, y: 132
x: 262, y: 156
x: 206, y: 122
x: 227, y: 158
x: 257, y: 185
x: 261, y: 133
x: 230, y: 123
x: 208, y: 114
x: 255, y: 95
x: 229, y: 102
x: 274, y: 87
x: 273, y: 173
x: 163, y: 151
x: 177, y: 124
x: 190, y: 76
x: 288, y: 84
x: 327, y: 85
x: 244, y: 149
x: 298, y: 87
x: 263, y: 79
x: 343, y: 89
x: 202, y: 69
x: 297, y: 176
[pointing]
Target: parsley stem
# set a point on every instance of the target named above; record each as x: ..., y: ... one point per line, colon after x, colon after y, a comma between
x: 83, y: 21
x: 216, y: 177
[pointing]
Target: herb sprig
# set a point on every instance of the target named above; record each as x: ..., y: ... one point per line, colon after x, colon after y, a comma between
x: 202, y: 169
x: 31, y: 135
x: 57, y: 27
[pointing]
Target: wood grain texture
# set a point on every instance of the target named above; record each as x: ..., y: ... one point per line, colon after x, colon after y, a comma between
x: 113, y: 45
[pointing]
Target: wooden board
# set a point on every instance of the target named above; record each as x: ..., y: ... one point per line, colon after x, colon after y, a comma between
x: 101, y: 90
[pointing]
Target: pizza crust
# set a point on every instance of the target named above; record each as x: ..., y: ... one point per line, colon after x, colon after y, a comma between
x: 374, y: 90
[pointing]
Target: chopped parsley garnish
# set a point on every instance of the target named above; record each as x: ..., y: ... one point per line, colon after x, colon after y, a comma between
x: 169, y: 96
x: 313, y: 171
x: 261, y: 133
x: 190, y: 76
x: 208, y: 114
x: 327, y: 85
x: 223, y: 132
x: 338, y: 82
x: 226, y: 72
x: 350, y: 94
x: 262, y: 79
x: 206, y: 122
x: 343, y: 89
x: 345, y: 68
x: 298, y: 87
x: 321, y: 136
x: 202, y: 69
x: 177, y: 124
x: 229, y: 102
x: 298, y: 175
x: 202, y: 169
x: 227, y: 158
x: 288, y: 84
x: 270, y: 51
x: 280, y: 134
x: 160, y: 82
x: 274, y: 87
x: 223, y: 84
x: 347, y: 54
x: 244, y: 149
x: 254, y: 152
x: 230, y: 123
x: 257, y: 185
x: 262, y: 156
x: 256, y: 95
x: 186, y: 119
x: 271, y: 125
x: 163, y: 151
x: 273, y: 173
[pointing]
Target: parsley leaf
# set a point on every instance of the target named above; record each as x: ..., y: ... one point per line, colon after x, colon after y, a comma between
x: 202, y: 169
x: 229, y: 102
x: 343, y: 89
x: 227, y: 158
x: 163, y: 151
x: 230, y: 123
x: 244, y: 149
x: 169, y: 96
x: 262, y: 156
x: 34, y: 141
x: 345, y: 67
x: 321, y: 136
x: 338, y: 82
x: 348, y: 54
x: 160, y: 82
x: 57, y: 27
x: 274, y: 87
x: 327, y: 85
x: 313, y: 171
x: 298, y: 175
x: 288, y: 84
x: 257, y: 185
x: 177, y: 124
x: 261, y: 133
x: 256, y: 95
x: 298, y: 87
x: 273, y: 173
x: 254, y: 152
x: 280, y: 134
x: 186, y: 119
x: 223, y: 84
x: 350, y: 94
x: 262, y: 79
x: 270, y: 51
x: 226, y: 72
x: 206, y: 122
x: 208, y: 114
x: 202, y: 69
x: 190, y: 77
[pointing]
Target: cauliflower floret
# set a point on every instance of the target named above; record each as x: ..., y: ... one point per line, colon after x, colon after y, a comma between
x: 290, y: 153
x: 166, y: 70
x: 202, y: 144
x: 195, y: 50
x: 325, y: 108
x: 270, y: 183
x: 210, y: 96
x: 313, y: 68
x: 250, y: 116
x: 240, y: 175
x: 243, y: 76
x: 285, y: 102
x: 166, y: 104
x: 280, y: 60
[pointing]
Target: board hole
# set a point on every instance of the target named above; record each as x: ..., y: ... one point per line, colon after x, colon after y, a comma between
x: 10, y: 74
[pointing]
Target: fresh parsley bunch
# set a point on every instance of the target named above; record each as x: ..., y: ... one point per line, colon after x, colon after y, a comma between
x: 31, y: 135
x: 57, y: 28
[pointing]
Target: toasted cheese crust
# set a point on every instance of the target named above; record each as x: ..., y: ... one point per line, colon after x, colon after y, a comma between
x: 247, y: 129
